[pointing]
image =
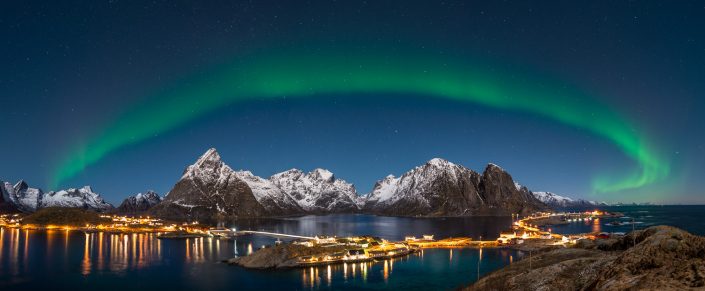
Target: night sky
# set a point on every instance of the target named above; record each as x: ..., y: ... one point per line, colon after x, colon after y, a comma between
x: 601, y: 100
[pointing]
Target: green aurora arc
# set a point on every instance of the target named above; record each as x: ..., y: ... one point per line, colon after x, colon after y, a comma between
x: 314, y: 76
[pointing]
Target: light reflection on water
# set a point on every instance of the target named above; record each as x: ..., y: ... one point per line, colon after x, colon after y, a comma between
x: 32, y: 259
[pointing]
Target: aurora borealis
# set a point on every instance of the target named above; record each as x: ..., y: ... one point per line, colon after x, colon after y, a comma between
x: 601, y: 101
x: 316, y: 76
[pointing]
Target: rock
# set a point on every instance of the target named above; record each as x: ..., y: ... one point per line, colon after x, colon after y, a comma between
x: 318, y: 192
x: 84, y: 198
x: 558, y: 201
x: 6, y: 204
x: 585, y: 243
x: 664, y: 258
x: 274, y: 200
x: 139, y: 203
x: 26, y: 199
x: 561, y: 269
x: 209, y: 191
x: 441, y: 188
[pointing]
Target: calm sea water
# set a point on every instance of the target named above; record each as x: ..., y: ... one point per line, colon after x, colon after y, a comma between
x: 72, y: 259
x: 688, y: 217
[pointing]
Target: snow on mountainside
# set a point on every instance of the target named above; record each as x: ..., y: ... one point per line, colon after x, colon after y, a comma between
x: 209, y: 191
x: 274, y: 200
x: 140, y: 202
x: 80, y: 198
x: 7, y: 193
x: 209, y: 168
x: 434, y: 188
x: 27, y: 199
x: 420, y: 179
x: 555, y: 200
x: 441, y: 188
x: 318, y: 191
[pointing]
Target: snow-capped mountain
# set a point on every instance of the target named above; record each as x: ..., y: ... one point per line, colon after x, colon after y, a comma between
x: 318, y: 191
x: 27, y: 199
x: 274, y: 200
x: 140, y: 202
x: 209, y: 190
x: 79, y: 198
x: 441, y: 188
x: 555, y: 200
x: 7, y: 205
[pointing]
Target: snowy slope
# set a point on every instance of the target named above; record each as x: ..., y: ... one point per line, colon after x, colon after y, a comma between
x: 555, y: 200
x: 79, y: 198
x: 442, y: 188
x: 140, y: 202
x: 274, y: 200
x: 418, y: 191
x: 210, y: 191
x: 27, y: 199
x: 318, y: 191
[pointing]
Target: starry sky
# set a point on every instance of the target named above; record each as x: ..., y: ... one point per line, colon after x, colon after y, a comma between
x: 600, y: 100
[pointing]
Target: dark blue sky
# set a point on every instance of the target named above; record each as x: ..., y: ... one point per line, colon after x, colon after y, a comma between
x: 70, y: 68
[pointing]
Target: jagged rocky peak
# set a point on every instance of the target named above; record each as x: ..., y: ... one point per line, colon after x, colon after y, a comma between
x: 209, y: 191
x: 25, y: 198
x: 499, y: 189
x: 20, y: 186
x: 322, y: 174
x: 210, y: 158
x: 209, y: 164
x: 436, y: 188
x: 140, y: 202
x: 150, y: 195
x: 6, y: 204
x: 274, y: 200
x: 80, y: 198
x: 438, y: 162
x: 442, y: 188
x: 318, y: 191
x: 558, y: 201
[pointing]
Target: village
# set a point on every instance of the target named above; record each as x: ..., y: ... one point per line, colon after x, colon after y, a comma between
x: 524, y: 233
x: 325, y: 250
x: 113, y: 224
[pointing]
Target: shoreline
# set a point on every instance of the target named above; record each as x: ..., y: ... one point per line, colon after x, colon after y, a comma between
x: 656, y: 258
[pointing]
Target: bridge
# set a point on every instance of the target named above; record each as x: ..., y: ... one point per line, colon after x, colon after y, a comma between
x: 274, y: 234
x: 229, y: 233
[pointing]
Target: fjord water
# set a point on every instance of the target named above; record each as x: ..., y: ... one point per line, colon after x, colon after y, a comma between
x: 70, y: 260
x: 688, y: 217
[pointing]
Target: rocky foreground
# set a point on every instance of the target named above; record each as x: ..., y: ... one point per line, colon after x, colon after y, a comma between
x: 657, y: 258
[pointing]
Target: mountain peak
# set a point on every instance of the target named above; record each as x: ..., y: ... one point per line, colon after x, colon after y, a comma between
x: 150, y: 194
x: 322, y: 174
x: 493, y: 166
x: 20, y: 185
x: 208, y: 164
x: 439, y: 162
x: 210, y: 156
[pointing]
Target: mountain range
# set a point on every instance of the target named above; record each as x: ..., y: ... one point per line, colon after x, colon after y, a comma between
x: 21, y: 197
x: 556, y: 201
x: 209, y: 191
